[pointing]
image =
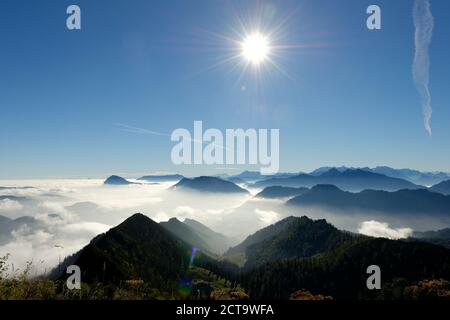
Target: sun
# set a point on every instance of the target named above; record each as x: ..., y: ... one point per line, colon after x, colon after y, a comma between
x: 256, y: 48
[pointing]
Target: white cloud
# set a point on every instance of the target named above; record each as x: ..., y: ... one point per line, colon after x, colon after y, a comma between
x: 215, y: 211
x: 52, y: 207
x: 85, y: 228
x: 48, y: 243
x: 184, y: 211
x: 7, y: 205
x: 160, y: 216
x: 383, y: 230
x: 423, y: 22
x: 267, y: 216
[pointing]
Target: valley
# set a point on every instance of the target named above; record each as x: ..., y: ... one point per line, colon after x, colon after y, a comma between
x: 217, y: 238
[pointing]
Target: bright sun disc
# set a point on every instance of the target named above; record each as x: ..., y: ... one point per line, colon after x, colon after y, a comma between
x: 255, y: 48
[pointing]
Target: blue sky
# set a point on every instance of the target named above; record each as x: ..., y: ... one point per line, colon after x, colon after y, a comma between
x: 347, y: 97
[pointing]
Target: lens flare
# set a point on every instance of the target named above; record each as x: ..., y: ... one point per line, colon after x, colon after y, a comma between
x: 193, y: 253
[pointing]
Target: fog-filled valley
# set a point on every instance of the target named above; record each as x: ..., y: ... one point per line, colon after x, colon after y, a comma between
x: 44, y: 221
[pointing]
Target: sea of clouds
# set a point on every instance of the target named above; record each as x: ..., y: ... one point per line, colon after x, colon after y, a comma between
x: 68, y: 213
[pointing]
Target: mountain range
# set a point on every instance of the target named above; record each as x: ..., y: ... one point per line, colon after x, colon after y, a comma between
x: 293, y: 254
x: 349, y: 180
x: 341, y: 273
x: 346, y: 178
x: 420, y: 178
x: 292, y: 237
x: 252, y: 176
x: 414, y: 176
x: 313, y: 255
x: 420, y: 201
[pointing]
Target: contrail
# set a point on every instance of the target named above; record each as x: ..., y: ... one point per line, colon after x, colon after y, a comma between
x: 423, y: 22
x: 138, y: 130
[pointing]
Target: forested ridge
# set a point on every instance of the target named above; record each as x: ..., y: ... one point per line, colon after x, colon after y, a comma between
x: 295, y: 258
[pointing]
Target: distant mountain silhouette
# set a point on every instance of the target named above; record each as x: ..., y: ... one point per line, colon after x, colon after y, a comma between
x: 438, y: 234
x: 349, y: 180
x: 252, y: 176
x: 443, y: 242
x: 85, y: 206
x: 439, y: 237
x: 21, y: 200
x: 398, y: 202
x: 443, y: 187
x: 322, y: 170
x: 162, y: 178
x: 15, y: 188
x: 7, y: 226
x: 116, y: 180
x: 208, y: 184
x: 5, y: 230
x: 249, y: 175
x: 4, y: 219
x: 414, y: 176
x: 411, y: 175
x: 235, y: 180
x: 281, y: 192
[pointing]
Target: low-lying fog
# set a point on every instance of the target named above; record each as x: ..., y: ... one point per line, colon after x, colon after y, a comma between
x: 69, y: 213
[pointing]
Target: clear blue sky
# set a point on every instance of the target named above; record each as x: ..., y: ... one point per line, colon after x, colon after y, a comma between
x: 348, y: 97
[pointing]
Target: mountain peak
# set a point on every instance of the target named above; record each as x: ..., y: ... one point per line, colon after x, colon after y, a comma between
x: 292, y: 237
x: 208, y: 184
x: 116, y: 180
x: 138, y: 217
x: 174, y: 220
x: 137, y: 221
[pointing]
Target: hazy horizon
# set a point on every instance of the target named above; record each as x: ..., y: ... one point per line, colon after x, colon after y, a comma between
x: 209, y: 172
